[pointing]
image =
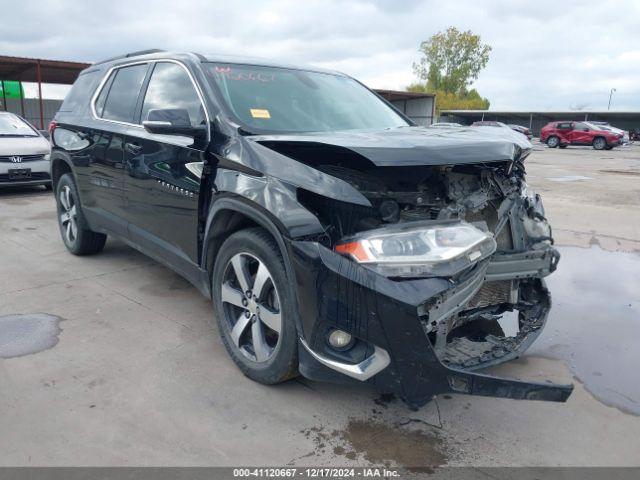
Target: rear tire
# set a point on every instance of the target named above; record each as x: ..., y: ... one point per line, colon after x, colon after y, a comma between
x: 255, y: 308
x: 553, y: 141
x: 76, y: 234
x: 599, y: 143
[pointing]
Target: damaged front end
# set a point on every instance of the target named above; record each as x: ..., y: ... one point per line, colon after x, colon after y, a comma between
x: 419, y: 332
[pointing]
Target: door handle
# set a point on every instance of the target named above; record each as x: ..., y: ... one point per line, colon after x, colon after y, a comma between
x: 133, y: 148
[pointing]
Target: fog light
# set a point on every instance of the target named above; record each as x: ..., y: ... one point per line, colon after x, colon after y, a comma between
x: 339, y: 339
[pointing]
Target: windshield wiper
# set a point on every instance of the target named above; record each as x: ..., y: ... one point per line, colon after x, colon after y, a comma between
x: 244, y: 132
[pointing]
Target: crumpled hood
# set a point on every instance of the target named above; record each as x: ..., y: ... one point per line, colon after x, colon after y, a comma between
x: 24, y: 146
x: 408, y: 146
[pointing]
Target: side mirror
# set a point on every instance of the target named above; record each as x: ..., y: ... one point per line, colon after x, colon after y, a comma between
x: 167, y: 128
x: 173, y: 121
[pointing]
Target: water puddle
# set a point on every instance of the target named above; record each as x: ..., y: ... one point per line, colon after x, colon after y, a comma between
x: 379, y: 443
x: 594, y: 323
x: 26, y: 334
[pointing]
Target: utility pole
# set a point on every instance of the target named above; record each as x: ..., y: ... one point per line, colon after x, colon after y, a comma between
x: 610, y: 95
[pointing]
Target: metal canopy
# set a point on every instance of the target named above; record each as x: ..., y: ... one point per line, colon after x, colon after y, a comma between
x: 39, y: 70
x: 394, y: 95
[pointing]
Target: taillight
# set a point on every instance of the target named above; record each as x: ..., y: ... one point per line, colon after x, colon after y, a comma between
x: 52, y: 126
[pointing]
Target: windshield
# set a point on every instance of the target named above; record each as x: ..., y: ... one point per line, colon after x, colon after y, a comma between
x: 269, y: 99
x: 12, y: 126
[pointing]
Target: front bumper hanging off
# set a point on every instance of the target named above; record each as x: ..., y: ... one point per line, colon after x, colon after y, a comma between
x: 393, y: 318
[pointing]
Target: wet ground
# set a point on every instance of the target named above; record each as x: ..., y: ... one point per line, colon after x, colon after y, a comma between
x: 27, y: 334
x: 594, y: 325
x: 138, y: 375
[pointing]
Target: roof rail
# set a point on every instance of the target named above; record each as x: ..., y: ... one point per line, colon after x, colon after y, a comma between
x: 132, y: 54
x: 201, y: 57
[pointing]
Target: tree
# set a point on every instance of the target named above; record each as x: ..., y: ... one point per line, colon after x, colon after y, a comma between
x: 452, y: 60
x: 470, y: 100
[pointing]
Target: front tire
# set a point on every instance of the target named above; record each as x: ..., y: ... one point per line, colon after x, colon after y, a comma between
x: 254, y: 306
x: 76, y: 235
x: 553, y: 141
x: 599, y: 143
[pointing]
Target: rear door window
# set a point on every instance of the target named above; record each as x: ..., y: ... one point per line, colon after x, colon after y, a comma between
x: 171, y: 96
x: 102, y: 98
x: 121, y: 93
x: 80, y: 93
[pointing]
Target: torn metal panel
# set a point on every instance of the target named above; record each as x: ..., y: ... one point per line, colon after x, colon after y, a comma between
x: 459, y: 319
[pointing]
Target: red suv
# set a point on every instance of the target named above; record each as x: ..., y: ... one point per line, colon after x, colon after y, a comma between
x: 561, y: 134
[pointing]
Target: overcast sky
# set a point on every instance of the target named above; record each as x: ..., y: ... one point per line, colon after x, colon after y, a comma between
x: 546, y: 54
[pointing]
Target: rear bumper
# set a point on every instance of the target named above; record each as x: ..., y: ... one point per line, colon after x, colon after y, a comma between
x: 392, y: 319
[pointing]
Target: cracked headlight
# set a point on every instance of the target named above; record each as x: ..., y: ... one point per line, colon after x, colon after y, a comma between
x: 419, y: 249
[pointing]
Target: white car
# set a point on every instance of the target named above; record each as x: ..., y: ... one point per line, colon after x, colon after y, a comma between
x: 24, y: 153
x: 619, y: 131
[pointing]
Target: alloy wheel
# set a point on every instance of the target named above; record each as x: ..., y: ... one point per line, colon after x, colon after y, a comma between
x: 68, y: 215
x: 599, y: 143
x: 251, y: 306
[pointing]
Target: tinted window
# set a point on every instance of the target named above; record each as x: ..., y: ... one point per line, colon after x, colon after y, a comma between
x: 123, y: 94
x: 282, y: 100
x: 170, y: 89
x: 103, y: 94
x: 581, y: 126
x: 80, y: 92
x: 564, y: 126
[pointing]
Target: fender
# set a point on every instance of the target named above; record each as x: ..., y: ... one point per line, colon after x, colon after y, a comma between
x: 61, y: 158
x: 233, y: 203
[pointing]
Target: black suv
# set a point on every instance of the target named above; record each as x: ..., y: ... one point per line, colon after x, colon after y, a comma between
x: 335, y: 238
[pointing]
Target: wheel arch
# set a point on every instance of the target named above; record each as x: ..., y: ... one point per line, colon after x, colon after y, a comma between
x: 60, y: 166
x: 229, y: 215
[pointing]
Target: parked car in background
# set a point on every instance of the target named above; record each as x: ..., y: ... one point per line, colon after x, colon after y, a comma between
x: 24, y: 153
x: 516, y: 128
x: 564, y: 133
x: 489, y: 123
x: 446, y: 125
x: 499, y: 128
x: 607, y: 126
x: 523, y: 130
x: 335, y: 238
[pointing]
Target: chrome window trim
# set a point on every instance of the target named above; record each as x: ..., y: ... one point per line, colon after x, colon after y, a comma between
x: 105, y: 79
